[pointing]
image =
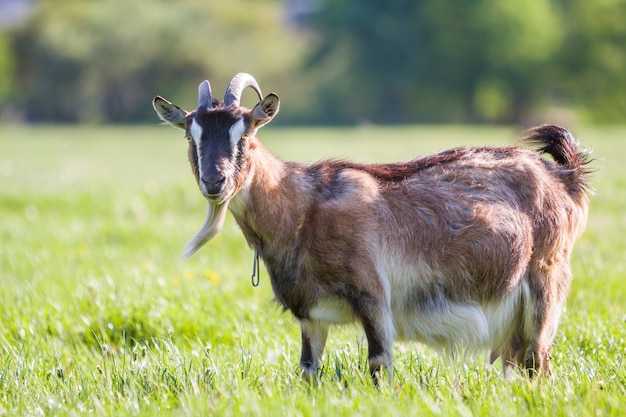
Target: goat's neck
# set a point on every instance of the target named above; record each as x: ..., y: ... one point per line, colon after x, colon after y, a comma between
x: 271, y: 206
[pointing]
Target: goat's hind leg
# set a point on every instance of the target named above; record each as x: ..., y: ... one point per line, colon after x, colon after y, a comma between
x: 314, y: 335
x: 547, y: 301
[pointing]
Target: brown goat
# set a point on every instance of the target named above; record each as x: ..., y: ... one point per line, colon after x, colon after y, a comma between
x: 464, y: 250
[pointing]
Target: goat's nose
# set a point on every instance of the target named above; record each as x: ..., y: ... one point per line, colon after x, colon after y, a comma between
x: 213, y: 183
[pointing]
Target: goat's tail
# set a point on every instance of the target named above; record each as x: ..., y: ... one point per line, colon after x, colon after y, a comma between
x: 559, y: 143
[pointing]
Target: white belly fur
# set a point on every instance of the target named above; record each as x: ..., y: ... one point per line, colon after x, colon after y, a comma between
x: 463, y: 327
x: 450, y: 326
x: 332, y: 310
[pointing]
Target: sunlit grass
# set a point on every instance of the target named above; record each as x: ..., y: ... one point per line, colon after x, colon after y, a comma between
x: 99, y: 315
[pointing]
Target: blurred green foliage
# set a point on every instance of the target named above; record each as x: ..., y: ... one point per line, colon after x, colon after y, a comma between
x: 103, y: 61
x: 471, y: 61
x: 338, y: 62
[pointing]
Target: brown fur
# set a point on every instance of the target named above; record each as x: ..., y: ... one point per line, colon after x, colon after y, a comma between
x: 484, y: 218
x: 466, y: 249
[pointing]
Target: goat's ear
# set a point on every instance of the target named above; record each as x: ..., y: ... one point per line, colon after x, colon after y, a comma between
x: 170, y: 113
x: 265, y: 111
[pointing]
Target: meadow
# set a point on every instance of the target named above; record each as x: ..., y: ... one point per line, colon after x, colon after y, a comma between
x: 99, y: 316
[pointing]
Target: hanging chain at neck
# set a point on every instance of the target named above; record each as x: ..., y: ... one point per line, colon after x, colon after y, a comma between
x: 256, y: 272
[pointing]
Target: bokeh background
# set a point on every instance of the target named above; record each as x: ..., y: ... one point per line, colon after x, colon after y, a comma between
x: 333, y: 62
x: 98, y: 315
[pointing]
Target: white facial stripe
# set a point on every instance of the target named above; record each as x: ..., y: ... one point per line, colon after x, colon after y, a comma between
x: 196, y: 131
x: 196, y: 134
x: 235, y: 132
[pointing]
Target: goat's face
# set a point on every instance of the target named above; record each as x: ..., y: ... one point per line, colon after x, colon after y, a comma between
x: 220, y: 135
x: 218, y: 151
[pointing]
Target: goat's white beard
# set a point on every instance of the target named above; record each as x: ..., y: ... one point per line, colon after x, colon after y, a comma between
x: 212, y: 225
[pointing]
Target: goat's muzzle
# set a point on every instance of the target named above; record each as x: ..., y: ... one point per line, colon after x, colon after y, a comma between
x: 213, y: 185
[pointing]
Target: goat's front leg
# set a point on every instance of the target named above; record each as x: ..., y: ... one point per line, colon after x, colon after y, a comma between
x: 314, y: 334
x: 377, y: 322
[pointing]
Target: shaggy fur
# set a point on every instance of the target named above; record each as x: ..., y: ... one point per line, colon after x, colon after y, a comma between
x: 464, y: 250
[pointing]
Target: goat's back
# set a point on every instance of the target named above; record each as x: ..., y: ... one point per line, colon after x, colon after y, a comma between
x: 470, y: 221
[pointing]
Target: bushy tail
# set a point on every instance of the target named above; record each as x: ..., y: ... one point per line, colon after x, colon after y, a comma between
x: 564, y: 148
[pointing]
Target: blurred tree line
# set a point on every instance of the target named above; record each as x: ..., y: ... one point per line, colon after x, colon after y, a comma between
x: 348, y: 61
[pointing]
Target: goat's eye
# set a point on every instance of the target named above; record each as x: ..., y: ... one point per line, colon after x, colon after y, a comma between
x: 189, y: 138
x: 245, y: 136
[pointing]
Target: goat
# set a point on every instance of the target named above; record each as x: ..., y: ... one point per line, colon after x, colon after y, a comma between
x: 467, y: 249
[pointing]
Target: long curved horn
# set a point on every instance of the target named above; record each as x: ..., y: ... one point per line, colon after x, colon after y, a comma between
x: 204, y: 95
x: 236, y: 87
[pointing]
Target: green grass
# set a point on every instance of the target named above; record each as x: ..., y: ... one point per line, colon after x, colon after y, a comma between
x: 99, y: 316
